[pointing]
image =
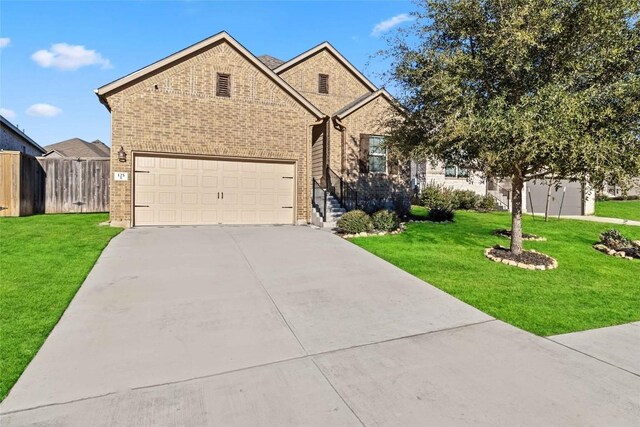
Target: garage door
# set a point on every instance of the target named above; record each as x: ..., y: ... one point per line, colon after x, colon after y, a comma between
x: 186, y: 191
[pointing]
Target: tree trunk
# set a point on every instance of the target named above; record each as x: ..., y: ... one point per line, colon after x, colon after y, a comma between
x: 517, y: 187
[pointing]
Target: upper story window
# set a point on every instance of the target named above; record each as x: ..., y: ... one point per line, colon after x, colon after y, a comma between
x: 451, y: 171
x: 223, y: 85
x: 377, y: 155
x: 323, y: 83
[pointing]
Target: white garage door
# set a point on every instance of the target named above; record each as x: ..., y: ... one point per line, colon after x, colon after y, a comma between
x: 189, y: 191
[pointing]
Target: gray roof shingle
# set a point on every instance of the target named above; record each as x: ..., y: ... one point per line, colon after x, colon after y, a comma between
x: 270, y: 61
x: 76, y: 147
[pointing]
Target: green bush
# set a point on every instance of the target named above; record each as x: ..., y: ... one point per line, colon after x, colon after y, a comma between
x: 614, y: 239
x: 440, y: 214
x: 435, y: 195
x: 355, y: 222
x: 486, y: 203
x: 464, y: 199
x: 385, y: 220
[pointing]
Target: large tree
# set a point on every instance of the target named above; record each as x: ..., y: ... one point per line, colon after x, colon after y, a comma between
x: 521, y: 89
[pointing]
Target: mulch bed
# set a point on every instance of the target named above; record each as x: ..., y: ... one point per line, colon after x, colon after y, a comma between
x: 530, y: 260
x: 503, y: 232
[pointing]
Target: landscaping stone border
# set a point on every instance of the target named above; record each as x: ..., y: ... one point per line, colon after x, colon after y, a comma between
x: 400, y: 229
x: 487, y: 253
x: 612, y: 252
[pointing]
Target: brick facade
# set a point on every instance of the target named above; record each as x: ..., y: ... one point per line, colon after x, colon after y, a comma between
x: 344, y: 88
x: 176, y: 111
x: 379, y: 188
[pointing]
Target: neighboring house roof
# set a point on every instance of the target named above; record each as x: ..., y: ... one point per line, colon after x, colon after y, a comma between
x: 327, y: 46
x: 194, y: 49
x: 362, y: 101
x: 270, y: 61
x: 76, y: 147
x: 21, y: 134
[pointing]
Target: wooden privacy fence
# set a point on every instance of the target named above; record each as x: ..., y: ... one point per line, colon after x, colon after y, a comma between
x: 52, y: 185
x: 76, y: 185
x: 22, y: 184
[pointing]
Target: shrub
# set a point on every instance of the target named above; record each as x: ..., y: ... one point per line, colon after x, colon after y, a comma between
x: 614, y: 239
x: 486, y: 203
x: 440, y: 214
x: 464, y: 199
x: 385, y: 220
x: 401, y: 203
x: 434, y: 195
x: 355, y: 222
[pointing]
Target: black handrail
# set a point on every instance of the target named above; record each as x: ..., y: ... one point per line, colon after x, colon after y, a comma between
x: 319, y: 199
x: 341, y: 190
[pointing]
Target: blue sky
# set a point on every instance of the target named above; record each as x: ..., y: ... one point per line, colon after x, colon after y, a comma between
x: 54, y: 54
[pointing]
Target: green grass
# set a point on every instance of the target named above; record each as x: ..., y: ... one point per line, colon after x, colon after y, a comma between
x: 43, y: 261
x: 625, y: 209
x: 588, y: 290
x: 419, y: 211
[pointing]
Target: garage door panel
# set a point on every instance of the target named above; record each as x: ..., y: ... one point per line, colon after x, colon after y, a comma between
x: 175, y: 191
x: 210, y: 181
x: 168, y: 163
x: 166, y: 180
x: 189, y: 180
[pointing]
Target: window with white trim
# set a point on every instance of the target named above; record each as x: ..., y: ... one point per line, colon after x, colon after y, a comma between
x: 451, y: 171
x: 377, y: 155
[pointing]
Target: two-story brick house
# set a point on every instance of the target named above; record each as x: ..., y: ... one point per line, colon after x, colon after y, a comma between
x: 215, y: 135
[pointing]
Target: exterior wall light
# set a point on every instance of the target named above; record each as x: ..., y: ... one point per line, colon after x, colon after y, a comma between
x: 122, y: 156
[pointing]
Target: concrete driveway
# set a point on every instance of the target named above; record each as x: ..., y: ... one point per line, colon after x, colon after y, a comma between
x: 294, y: 326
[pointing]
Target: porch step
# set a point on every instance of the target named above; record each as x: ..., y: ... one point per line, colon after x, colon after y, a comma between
x: 334, y: 212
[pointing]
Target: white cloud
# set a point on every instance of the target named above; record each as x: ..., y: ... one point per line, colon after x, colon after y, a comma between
x: 43, y: 110
x: 69, y: 57
x: 9, y: 114
x: 4, y: 42
x: 394, y: 21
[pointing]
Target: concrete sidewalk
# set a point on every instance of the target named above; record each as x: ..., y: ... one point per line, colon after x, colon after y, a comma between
x: 602, y: 219
x: 294, y: 326
x: 617, y: 345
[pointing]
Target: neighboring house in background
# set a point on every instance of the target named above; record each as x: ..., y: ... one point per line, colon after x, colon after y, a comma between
x: 13, y: 139
x: 568, y: 198
x: 215, y: 135
x: 78, y: 148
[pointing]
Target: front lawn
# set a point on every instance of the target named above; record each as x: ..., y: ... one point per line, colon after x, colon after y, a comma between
x: 588, y: 290
x: 43, y: 261
x: 625, y: 209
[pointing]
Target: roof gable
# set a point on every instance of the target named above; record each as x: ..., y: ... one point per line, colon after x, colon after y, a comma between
x: 362, y: 101
x: 326, y: 46
x: 10, y: 126
x: 193, y: 50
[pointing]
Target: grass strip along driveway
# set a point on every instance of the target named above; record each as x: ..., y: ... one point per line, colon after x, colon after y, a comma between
x: 625, y: 209
x: 43, y: 261
x: 588, y: 290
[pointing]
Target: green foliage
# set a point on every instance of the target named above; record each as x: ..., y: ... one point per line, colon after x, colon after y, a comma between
x: 34, y: 292
x: 519, y: 89
x: 385, y: 220
x: 614, y: 239
x: 440, y: 214
x: 486, y: 203
x: 464, y: 199
x: 435, y: 195
x: 355, y: 222
x: 542, y: 302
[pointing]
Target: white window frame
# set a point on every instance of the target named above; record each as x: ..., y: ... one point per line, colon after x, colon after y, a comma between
x: 383, y: 154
